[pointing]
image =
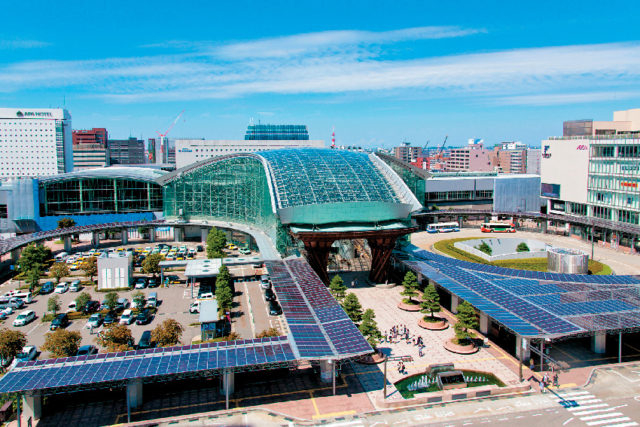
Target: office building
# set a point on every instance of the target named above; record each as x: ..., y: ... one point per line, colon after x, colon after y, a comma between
x: 261, y: 132
x: 624, y: 122
x: 472, y: 158
x: 126, y: 151
x: 407, y: 153
x: 35, y: 142
x: 90, y: 148
x: 533, y: 161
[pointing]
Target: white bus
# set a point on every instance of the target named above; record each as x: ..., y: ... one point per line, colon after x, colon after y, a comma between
x: 443, y: 227
x: 23, y: 295
x: 497, y: 227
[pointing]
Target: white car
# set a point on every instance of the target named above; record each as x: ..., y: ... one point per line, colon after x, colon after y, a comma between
x: 61, y: 288
x: 127, y: 317
x: 24, y: 318
x: 29, y: 352
x: 7, y: 311
x: 194, y: 307
x: 72, y: 307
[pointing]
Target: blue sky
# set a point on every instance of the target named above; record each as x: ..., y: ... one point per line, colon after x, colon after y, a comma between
x: 379, y: 72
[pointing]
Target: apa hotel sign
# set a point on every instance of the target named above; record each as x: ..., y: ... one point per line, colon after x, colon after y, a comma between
x: 22, y: 114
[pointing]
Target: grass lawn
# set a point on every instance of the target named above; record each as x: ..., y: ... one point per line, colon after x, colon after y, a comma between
x: 534, y: 264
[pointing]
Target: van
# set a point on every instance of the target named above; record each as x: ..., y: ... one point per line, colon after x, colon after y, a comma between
x: 152, y: 299
x: 61, y: 255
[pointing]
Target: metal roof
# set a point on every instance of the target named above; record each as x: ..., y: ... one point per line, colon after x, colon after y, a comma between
x: 139, y: 174
x: 208, y: 311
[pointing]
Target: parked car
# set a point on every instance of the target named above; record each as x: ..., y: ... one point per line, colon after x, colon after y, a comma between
x: 172, y: 280
x: 110, y: 318
x: 91, y: 307
x: 7, y: 311
x: 152, y: 300
x: 47, y: 288
x: 24, y: 318
x: 143, y: 317
x: 274, y: 308
x: 153, y: 282
x: 206, y: 295
x: 269, y: 295
x: 61, y: 288
x: 29, y: 352
x: 265, y: 283
x: 127, y: 317
x: 11, y: 302
x: 95, y: 320
x: 61, y: 321
x: 145, y: 341
x: 72, y: 307
x: 87, y: 350
x: 75, y: 286
x: 140, y: 283
x: 194, y: 307
x: 199, y: 248
x: 122, y: 304
x: 244, y: 251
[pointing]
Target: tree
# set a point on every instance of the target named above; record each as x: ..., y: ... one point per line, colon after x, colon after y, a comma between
x: 111, y: 300
x: 352, y: 307
x: 33, y: 278
x: 66, y: 223
x: 467, y: 319
x: 53, y: 304
x: 62, y: 343
x: 410, y: 284
x: 151, y: 264
x: 224, y: 296
x: 337, y: 288
x: 224, y: 275
x: 522, y: 247
x: 11, y: 343
x: 485, y: 248
x: 58, y: 271
x: 34, y: 257
x: 138, y: 299
x: 271, y: 332
x: 115, y: 337
x: 90, y: 267
x: 216, y: 241
x: 167, y: 333
x: 82, y: 300
x: 430, y: 300
x: 369, y: 328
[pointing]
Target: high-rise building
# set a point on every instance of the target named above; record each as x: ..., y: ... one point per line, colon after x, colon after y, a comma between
x: 126, y: 151
x: 261, y: 132
x: 472, y: 158
x: 90, y: 148
x: 625, y: 121
x: 407, y: 153
x: 533, y: 161
x: 35, y: 142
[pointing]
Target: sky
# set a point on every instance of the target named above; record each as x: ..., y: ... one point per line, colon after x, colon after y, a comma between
x: 379, y: 73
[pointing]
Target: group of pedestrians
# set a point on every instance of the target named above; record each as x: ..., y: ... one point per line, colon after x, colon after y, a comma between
x: 545, y: 381
x: 400, y: 333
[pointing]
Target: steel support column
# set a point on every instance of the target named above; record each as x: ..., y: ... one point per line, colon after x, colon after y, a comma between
x: 381, y: 248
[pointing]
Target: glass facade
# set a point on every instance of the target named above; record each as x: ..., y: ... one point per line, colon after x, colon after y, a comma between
x: 232, y: 189
x: 99, y: 195
x: 277, y: 132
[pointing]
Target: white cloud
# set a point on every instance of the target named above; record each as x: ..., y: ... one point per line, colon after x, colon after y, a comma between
x: 568, y: 98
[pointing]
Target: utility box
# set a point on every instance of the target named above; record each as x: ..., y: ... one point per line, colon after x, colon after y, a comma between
x: 114, y: 271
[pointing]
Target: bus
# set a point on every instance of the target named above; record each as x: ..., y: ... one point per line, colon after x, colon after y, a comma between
x: 443, y: 227
x: 23, y: 295
x: 497, y: 227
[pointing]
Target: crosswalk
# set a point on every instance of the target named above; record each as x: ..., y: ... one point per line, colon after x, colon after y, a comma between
x: 593, y: 411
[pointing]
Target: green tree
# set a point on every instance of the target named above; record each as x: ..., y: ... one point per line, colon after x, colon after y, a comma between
x: 53, y: 304
x: 90, y: 267
x: 115, y: 337
x: 11, y: 343
x: 33, y: 278
x: 151, y: 264
x: 410, y: 284
x: 34, y: 257
x: 369, y: 328
x: 271, y: 332
x: 138, y: 298
x: 62, y: 343
x: 467, y: 319
x: 111, y: 300
x: 352, y: 307
x: 224, y: 275
x: 66, y: 223
x: 224, y: 296
x: 167, y: 333
x: 58, y: 271
x: 522, y: 247
x: 337, y: 288
x: 216, y: 241
x: 430, y: 300
x: 82, y: 300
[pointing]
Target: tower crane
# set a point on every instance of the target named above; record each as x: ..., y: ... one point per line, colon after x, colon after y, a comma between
x: 442, y: 146
x: 163, y: 139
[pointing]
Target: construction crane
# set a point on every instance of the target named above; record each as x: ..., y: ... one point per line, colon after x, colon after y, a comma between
x: 163, y: 136
x: 442, y: 146
x: 424, y: 149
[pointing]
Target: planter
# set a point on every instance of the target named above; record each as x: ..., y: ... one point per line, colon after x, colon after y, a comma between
x: 440, y: 325
x: 372, y: 359
x: 409, y: 307
x: 460, y: 349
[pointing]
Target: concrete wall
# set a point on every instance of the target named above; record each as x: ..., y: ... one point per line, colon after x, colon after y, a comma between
x: 516, y: 193
x: 566, y: 164
x: 504, y: 248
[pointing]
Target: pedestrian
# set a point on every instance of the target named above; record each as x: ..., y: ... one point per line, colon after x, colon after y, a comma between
x: 542, y: 387
x: 556, y: 383
x: 531, y: 364
x: 545, y: 379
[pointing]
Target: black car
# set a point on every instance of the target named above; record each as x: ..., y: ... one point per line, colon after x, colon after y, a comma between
x: 199, y: 248
x: 47, y: 288
x: 87, y: 350
x: 269, y: 295
x: 274, y: 308
x: 110, y: 318
x: 145, y: 341
x: 153, y: 282
x: 61, y: 321
x: 143, y: 317
x: 91, y: 307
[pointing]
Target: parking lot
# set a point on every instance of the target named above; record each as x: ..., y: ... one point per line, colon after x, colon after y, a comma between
x: 249, y: 313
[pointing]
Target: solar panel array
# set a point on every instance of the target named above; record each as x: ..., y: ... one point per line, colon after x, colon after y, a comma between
x: 144, y: 364
x: 319, y: 326
x: 535, y: 303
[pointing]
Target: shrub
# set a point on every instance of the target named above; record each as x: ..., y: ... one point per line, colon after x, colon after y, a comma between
x: 485, y: 248
x: 522, y: 247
